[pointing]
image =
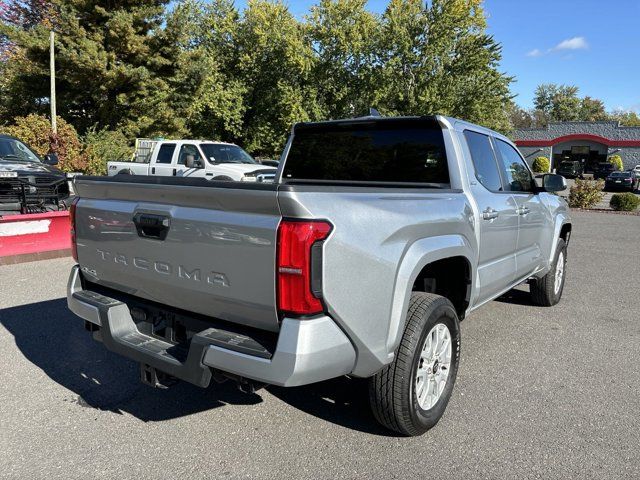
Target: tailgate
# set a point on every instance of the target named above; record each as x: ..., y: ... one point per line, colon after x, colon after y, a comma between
x: 201, y: 246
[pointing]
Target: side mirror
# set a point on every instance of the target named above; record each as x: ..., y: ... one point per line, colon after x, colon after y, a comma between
x: 51, y: 159
x: 191, y: 162
x: 552, y: 182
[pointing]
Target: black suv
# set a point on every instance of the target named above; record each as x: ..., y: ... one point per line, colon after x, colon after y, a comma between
x: 570, y: 169
x: 28, y: 183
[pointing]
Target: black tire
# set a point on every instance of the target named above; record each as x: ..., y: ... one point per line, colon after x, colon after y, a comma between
x: 543, y: 289
x: 223, y: 178
x: 125, y: 171
x: 392, y: 390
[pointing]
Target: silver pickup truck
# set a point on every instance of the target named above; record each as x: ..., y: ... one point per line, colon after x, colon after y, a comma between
x: 377, y: 237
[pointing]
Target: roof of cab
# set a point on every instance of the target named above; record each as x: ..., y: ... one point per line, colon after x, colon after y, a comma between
x: 442, y: 120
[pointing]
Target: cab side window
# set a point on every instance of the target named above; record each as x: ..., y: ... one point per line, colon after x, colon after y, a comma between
x: 484, y: 160
x: 189, y: 150
x: 516, y: 174
x: 166, y: 153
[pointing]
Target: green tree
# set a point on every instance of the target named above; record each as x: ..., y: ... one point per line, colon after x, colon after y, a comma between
x: 207, y: 88
x: 274, y: 64
x: 519, y: 117
x: 438, y: 58
x: 560, y: 103
x: 628, y: 118
x: 592, y: 110
x: 109, y: 68
x: 343, y: 35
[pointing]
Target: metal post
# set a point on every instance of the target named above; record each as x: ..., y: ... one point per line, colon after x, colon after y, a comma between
x: 52, y: 67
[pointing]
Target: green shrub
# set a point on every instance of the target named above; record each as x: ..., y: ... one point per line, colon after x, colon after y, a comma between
x: 541, y: 165
x: 586, y: 193
x: 625, y: 202
x: 35, y: 131
x: 102, y: 146
x: 616, y: 161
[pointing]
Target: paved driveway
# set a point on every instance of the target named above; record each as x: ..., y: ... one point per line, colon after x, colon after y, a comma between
x: 541, y: 393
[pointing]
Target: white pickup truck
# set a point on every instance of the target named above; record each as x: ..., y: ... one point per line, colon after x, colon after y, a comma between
x: 196, y: 159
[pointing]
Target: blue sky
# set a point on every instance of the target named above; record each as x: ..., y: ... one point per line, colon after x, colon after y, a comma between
x: 593, y: 44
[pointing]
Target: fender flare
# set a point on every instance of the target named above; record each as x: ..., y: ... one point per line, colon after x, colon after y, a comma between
x: 561, y: 220
x: 416, y: 257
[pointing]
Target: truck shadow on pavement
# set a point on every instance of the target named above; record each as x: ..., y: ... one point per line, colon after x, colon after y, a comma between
x: 343, y: 401
x: 517, y: 296
x: 54, y: 340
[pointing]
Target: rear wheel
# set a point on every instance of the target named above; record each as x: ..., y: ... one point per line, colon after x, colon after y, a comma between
x: 411, y: 394
x: 547, y: 291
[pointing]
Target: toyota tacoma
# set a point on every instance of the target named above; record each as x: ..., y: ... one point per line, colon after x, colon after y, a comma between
x: 377, y: 237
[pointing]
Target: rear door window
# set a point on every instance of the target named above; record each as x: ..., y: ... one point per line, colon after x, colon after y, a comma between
x: 165, y: 154
x: 484, y: 160
x: 395, y: 152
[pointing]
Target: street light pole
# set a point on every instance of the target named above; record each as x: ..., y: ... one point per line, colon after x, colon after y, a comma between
x: 52, y: 67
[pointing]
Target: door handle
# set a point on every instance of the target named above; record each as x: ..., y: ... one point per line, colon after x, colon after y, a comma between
x: 489, y: 214
x: 523, y: 210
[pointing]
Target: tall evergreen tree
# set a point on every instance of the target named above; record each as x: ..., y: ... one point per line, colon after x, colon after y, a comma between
x: 107, y: 66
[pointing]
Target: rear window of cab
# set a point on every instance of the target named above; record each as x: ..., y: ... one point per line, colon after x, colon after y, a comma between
x: 400, y: 152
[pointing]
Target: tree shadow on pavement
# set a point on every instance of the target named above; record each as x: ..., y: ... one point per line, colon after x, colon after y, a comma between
x: 54, y: 339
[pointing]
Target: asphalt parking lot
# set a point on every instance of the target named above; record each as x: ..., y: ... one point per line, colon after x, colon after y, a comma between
x: 541, y: 393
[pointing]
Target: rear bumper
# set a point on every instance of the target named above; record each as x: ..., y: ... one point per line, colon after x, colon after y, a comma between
x: 630, y: 187
x: 307, y: 351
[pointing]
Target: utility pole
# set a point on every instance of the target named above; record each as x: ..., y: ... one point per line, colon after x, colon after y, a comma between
x: 52, y: 67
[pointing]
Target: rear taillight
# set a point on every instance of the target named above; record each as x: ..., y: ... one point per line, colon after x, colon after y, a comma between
x: 72, y: 219
x: 294, y: 265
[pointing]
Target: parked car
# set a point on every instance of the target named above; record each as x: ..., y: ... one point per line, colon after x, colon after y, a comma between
x: 621, y: 181
x: 603, y: 170
x: 570, y: 169
x: 378, y: 236
x: 28, y: 183
x: 196, y: 159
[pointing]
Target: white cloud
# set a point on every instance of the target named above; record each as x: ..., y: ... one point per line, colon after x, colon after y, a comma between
x: 575, y: 43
